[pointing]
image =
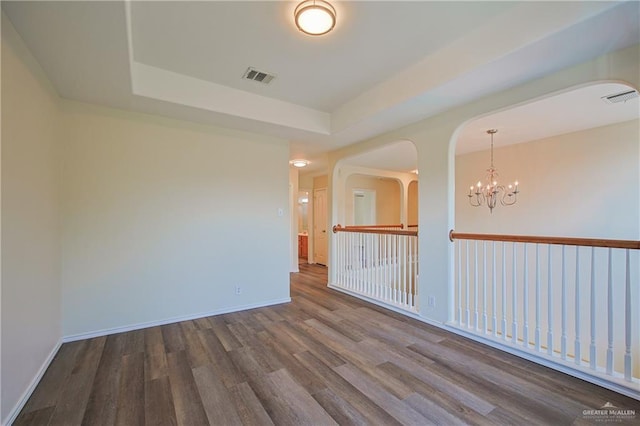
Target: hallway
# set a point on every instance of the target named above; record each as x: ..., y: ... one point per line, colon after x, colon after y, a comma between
x: 324, y: 358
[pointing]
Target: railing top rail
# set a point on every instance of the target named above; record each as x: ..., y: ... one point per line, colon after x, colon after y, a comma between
x: 339, y: 228
x: 567, y: 241
x: 400, y: 226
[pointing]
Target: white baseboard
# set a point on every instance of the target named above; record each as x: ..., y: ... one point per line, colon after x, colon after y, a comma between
x: 88, y: 335
x: 631, y: 390
x: 32, y: 385
x: 373, y: 301
x: 125, y: 328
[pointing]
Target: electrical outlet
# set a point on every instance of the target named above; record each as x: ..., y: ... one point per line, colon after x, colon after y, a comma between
x: 431, y: 301
x: 238, y: 290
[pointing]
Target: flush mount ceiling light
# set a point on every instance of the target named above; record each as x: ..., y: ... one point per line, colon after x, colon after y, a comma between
x: 299, y: 163
x: 315, y: 17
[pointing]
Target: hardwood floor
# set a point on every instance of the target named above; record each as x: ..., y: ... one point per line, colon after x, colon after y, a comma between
x: 326, y: 358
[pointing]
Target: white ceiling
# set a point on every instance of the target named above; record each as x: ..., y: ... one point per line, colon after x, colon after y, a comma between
x: 399, y: 156
x: 386, y: 64
x: 567, y: 112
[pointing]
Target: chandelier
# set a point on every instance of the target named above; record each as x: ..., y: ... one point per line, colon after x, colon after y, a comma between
x: 492, y: 191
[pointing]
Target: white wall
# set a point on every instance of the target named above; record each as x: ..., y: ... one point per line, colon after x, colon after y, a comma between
x: 294, y: 217
x: 31, y: 314
x: 581, y: 184
x: 163, y: 219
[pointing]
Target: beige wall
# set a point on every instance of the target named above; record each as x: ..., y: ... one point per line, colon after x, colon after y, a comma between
x: 160, y: 223
x: 305, y: 181
x: 388, y: 196
x: 582, y: 184
x: 31, y: 317
x: 320, y: 181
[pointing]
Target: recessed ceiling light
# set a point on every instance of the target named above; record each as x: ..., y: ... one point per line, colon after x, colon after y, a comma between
x: 315, y: 17
x: 299, y: 163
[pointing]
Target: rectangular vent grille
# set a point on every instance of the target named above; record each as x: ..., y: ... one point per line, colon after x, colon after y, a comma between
x: 620, y: 97
x: 259, y: 76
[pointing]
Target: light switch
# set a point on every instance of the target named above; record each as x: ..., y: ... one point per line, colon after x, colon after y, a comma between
x: 280, y: 212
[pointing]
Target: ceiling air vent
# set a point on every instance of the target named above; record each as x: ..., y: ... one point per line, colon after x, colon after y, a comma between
x: 259, y: 76
x: 620, y: 97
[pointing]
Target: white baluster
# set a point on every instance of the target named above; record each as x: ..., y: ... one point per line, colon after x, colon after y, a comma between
x: 404, y: 269
x: 366, y: 279
x: 466, y: 299
x: 484, y: 286
x: 592, y: 346
x: 398, y: 298
x: 549, y: 303
x: 476, y: 325
x: 514, y: 297
x: 372, y: 263
x: 494, y: 322
x: 376, y: 287
x: 347, y: 265
x: 504, y: 292
x: 609, y: 317
x: 409, y: 271
x: 577, y: 348
x: 400, y: 267
x: 398, y: 260
x: 459, y: 244
x: 389, y: 286
x: 385, y: 270
x: 537, y: 331
x: 396, y: 269
x: 414, y: 262
x: 525, y: 299
x: 563, y: 336
x: 355, y: 259
x: 363, y: 260
x: 343, y: 248
x: 627, y: 320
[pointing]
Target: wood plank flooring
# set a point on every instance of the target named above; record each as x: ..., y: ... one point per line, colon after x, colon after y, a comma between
x: 323, y: 359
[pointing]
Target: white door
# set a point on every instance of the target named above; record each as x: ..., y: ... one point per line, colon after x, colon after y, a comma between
x: 320, y: 226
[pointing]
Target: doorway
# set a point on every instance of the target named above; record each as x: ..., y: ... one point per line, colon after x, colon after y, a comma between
x: 320, y: 226
x: 364, y: 207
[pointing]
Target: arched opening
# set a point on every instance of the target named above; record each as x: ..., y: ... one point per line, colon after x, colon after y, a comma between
x: 389, y: 170
x: 576, y: 157
x: 374, y: 254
